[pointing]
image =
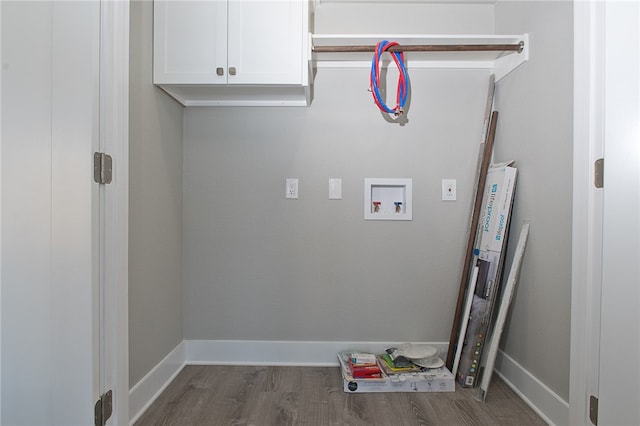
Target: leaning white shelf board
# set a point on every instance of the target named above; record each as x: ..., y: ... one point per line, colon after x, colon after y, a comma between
x: 465, y: 319
x: 507, y: 296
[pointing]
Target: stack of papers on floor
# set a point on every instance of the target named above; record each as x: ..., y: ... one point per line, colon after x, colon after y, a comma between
x: 394, y: 376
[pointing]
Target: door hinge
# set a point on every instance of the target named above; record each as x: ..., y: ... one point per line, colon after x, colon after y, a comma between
x: 598, y: 173
x: 102, y: 167
x: 593, y: 410
x: 103, y: 408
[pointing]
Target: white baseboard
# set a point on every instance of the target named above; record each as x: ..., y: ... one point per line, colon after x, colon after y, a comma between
x: 143, y: 393
x: 272, y: 352
x: 545, y: 402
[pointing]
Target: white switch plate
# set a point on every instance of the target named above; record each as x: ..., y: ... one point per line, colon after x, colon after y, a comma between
x: 449, y: 190
x: 335, y: 189
x: 291, y: 188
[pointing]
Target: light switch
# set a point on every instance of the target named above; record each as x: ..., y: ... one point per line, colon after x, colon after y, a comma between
x: 335, y: 189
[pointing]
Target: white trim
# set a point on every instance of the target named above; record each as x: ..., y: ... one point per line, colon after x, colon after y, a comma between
x: 143, y: 393
x: 114, y: 139
x: 1, y: 221
x: 587, y: 208
x: 273, y: 352
x: 544, y: 401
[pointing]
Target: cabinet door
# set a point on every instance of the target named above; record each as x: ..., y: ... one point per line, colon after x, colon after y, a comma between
x: 265, y: 41
x: 190, y: 42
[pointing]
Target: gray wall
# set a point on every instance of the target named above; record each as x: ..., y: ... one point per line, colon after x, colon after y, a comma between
x: 155, y: 218
x: 535, y: 128
x: 405, y: 17
x: 257, y: 266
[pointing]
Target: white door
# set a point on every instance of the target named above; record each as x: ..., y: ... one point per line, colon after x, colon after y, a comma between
x: 605, y: 324
x: 51, y: 261
x: 619, y: 378
x: 50, y: 60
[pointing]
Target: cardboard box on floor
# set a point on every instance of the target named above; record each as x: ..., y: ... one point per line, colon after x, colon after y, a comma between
x: 493, y: 229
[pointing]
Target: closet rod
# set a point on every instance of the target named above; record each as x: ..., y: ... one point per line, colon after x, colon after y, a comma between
x: 426, y: 48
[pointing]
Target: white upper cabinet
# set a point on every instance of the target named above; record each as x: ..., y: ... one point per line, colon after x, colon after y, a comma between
x: 232, y: 52
x: 265, y: 42
x: 190, y: 42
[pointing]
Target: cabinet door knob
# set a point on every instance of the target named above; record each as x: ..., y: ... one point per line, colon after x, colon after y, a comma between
x: 232, y: 70
x: 220, y: 71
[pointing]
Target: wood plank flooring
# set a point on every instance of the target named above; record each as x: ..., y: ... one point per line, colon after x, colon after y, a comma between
x: 313, y: 396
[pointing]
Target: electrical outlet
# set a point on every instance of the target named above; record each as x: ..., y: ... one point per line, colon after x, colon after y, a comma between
x: 291, y: 188
x: 449, y: 190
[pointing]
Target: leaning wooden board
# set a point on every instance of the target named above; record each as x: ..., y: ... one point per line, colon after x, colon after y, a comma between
x: 484, y: 159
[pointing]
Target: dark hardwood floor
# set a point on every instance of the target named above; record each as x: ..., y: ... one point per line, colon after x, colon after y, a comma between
x: 313, y: 396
